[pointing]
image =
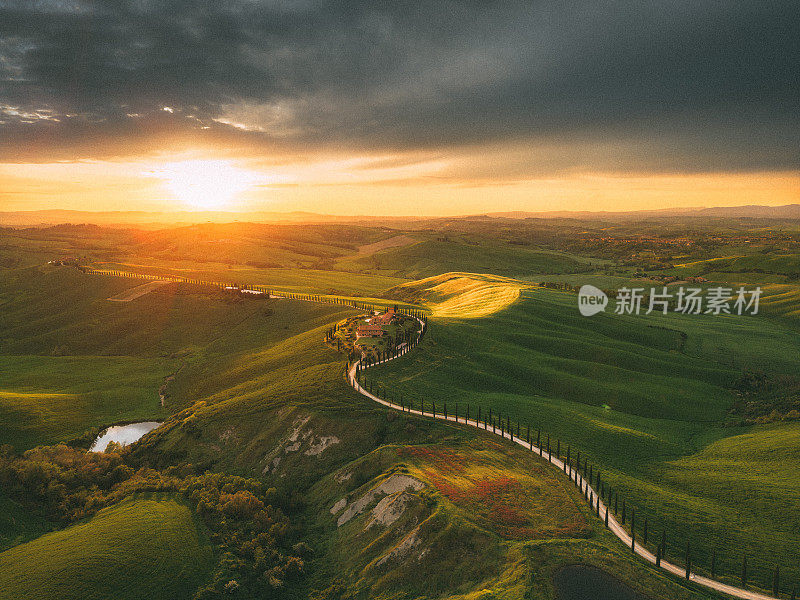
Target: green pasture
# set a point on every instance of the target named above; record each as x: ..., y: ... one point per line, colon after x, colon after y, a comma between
x: 645, y: 399
x: 307, y: 280
x: 433, y: 257
x: 46, y: 399
x: 141, y: 548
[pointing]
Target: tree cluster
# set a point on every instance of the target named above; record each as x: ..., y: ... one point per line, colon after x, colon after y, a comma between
x: 249, y: 529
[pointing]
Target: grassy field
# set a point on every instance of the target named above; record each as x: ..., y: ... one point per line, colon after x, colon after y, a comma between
x: 72, y: 360
x: 475, y: 255
x: 309, y: 281
x: 45, y: 399
x: 784, y: 265
x: 259, y: 394
x: 645, y: 399
x: 142, y: 548
x: 483, y: 520
x: 283, y: 412
x: 18, y: 525
x: 253, y: 390
x: 461, y: 295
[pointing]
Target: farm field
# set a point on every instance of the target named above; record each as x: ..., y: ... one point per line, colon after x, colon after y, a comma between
x: 144, y: 547
x: 247, y: 386
x: 284, y: 413
x: 476, y: 255
x: 72, y: 360
x: 645, y: 398
x: 18, y: 525
x: 309, y: 281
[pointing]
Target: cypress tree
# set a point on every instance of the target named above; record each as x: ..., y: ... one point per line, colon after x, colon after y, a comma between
x: 744, y: 571
x: 479, y: 417
x: 633, y: 530
x: 776, y: 580
x: 688, y: 560
x: 616, y: 503
x: 606, y: 516
x: 658, y: 556
x: 623, y: 511
x: 528, y: 434
x: 539, y: 440
x: 713, y: 563
x: 558, y: 449
x: 445, y: 411
x: 644, y: 535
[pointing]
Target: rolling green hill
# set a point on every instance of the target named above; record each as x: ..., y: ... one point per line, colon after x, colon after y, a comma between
x: 249, y: 388
x: 18, y: 525
x: 431, y: 257
x: 72, y: 360
x: 141, y: 548
x: 645, y: 398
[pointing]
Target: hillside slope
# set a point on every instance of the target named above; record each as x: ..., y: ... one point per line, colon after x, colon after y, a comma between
x: 461, y: 295
x: 647, y: 399
x: 141, y: 548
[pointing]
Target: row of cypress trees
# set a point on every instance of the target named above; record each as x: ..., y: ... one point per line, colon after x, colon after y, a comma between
x: 585, y: 475
x: 410, y: 311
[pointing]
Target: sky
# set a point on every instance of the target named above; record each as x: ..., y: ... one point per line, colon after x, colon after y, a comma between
x: 398, y: 108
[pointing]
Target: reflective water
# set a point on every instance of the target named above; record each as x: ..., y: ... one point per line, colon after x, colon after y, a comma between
x: 123, y: 434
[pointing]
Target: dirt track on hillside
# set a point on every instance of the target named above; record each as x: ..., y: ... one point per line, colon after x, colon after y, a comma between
x: 138, y: 291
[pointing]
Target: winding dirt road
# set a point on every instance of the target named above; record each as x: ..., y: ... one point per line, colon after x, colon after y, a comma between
x: 596, y: 503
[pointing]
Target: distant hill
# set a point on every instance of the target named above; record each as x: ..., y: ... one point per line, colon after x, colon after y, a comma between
x: 788, y: 211
x: 158, y: 220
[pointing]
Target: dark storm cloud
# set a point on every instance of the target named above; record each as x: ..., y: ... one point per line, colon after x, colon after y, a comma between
x: 693, y: 84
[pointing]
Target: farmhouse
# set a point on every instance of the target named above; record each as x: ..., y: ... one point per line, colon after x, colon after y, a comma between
x: 369, y: 330
x: 385, y: 318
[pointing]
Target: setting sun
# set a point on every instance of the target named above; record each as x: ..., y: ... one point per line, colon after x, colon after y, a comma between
x: 205, y: 184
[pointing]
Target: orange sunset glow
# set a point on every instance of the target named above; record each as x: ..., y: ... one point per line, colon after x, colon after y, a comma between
x: 354, y: 187
x: 432, y: 112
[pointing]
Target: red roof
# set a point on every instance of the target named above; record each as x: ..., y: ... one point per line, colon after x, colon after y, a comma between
x: 385, y: 318
x: 369, y: 330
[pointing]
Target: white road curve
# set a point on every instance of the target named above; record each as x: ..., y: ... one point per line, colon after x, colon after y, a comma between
x: 602, y: 510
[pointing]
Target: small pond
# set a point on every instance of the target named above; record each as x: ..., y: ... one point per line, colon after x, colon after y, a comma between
x: 122, y: 434
x: 582, y: 582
